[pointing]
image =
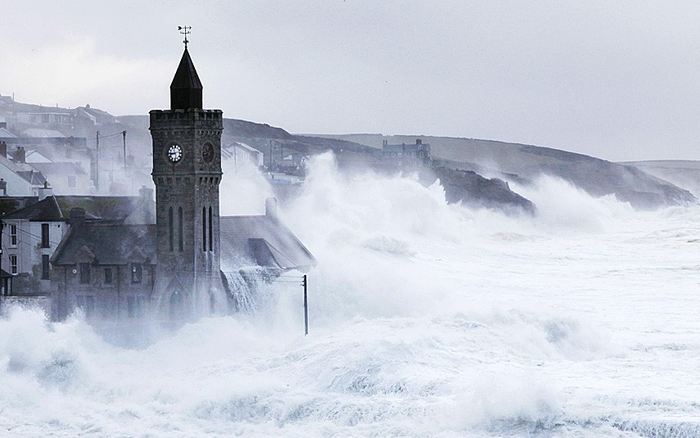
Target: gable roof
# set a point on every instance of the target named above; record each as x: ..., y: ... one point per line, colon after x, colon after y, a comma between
x: 261, y: 241
x: 111, y: 244
x: 24, y: 170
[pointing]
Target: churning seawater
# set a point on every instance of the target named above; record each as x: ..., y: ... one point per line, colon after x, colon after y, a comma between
x: 427, y: 319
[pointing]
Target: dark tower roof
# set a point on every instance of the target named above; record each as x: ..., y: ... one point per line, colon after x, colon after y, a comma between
x: 186, y: 88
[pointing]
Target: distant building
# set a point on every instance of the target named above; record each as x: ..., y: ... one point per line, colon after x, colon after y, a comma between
x: 242, y: 153
x: 407, y: 155
x: 17, y: 178
x: 92, y: 116
x: 50, y: 118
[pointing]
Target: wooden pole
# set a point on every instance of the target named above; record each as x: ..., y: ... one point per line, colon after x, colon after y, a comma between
x: 306, y: 309
x: 97, y: 161
x: 124, y: 145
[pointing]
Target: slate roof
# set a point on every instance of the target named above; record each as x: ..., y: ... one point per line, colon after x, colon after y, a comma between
x: 10, y: 204
x: 4, y: 133
x: 57, y: 208
x: 46, y: 210
x: 263, y: 241
x: 245, y: 241
x: 112, y: 244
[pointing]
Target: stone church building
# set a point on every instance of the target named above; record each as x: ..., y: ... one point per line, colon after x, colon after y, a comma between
x: 191, y: 261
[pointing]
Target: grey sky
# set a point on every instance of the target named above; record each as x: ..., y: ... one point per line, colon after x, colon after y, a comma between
x: 618, y: 80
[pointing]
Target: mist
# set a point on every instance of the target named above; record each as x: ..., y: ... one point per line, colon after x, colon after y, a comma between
x: 426, y: 319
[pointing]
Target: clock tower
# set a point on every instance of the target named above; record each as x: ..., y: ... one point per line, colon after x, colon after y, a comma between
x: 187, y: 173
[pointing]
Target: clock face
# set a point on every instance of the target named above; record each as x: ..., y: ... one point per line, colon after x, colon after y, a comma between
x: 207, y: 153
x: 174, y: 153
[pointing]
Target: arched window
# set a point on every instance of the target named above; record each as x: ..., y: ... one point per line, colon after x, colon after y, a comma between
x: 204, y: 228
x: 181, y: 230
x: 211, y: 228
x: 170, y: 227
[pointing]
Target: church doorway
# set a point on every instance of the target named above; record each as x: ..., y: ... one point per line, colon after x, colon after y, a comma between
x: 177, y: 306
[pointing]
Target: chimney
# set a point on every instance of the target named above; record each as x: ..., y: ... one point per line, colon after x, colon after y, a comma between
x: 3, y: 149
x: 146, y: 193
x: 20, y: 155
x: 147, y: 206
x: 3, y: 187
x: 271, y: 208
x: 3, y: 124
x: 45, y: 191
x: 77, y: 217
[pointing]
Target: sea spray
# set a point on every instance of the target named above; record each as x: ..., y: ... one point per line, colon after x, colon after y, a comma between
x: 427, y: 319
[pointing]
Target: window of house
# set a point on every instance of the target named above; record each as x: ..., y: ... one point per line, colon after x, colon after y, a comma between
x: 108, y: 275
x: 45, y: 267
x: 44, y: 235
x: 72, y: 183
x: 13, y: 235
x: 85, y: 273
x: 45, y: 118
x: 136, y: 272
x: 13, y: 263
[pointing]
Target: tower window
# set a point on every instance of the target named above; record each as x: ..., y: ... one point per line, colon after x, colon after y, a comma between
x: 181, y: 231
x: 204, y: 228
x: 211, y: 235
x: 170, y: 228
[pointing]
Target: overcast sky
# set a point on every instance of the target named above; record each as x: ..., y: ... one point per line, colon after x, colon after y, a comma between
x: 614, y: 79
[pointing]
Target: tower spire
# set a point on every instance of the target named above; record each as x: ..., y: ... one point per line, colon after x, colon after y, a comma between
x: 186, y: 88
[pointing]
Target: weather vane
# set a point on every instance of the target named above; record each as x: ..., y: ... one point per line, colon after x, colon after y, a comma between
x: 185, y: 30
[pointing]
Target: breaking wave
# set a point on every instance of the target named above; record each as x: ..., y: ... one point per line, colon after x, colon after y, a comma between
x: 427, y: 319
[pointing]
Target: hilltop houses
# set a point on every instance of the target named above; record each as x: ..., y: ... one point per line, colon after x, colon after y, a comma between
x: 407, y: 155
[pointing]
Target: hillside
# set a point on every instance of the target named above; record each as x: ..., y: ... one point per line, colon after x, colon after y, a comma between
x: 683, y: 173
x: 521, y: 163
x: 483, y: 165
